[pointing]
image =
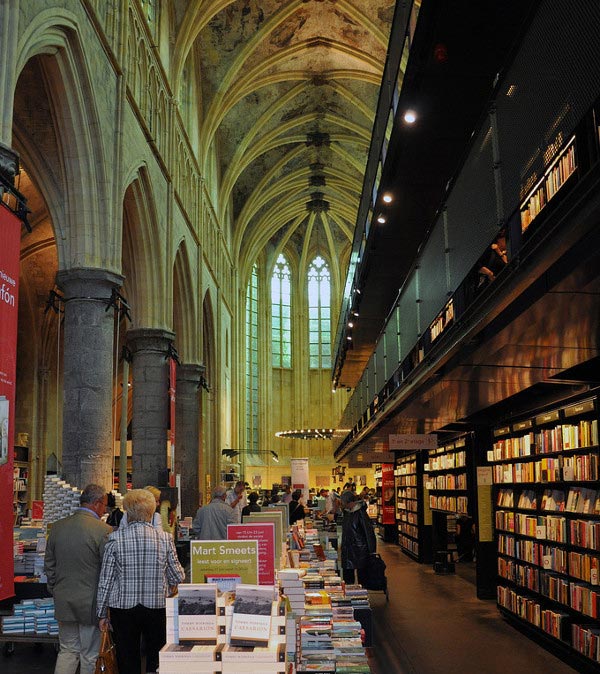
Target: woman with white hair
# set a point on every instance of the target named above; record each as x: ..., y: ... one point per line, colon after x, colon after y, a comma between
x: 139, y: 569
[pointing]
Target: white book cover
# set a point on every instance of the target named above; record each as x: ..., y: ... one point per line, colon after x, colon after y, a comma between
x: 251, y: 618
x: 197, y: 612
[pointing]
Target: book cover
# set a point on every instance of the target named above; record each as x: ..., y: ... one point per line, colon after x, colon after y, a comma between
x: 197, y: 609
x: 225, y: 582
x: 251, y: 618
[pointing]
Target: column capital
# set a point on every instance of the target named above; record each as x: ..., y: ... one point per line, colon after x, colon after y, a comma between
x: 190, y: 372
x: 79, y: 282
x: 149, y: 339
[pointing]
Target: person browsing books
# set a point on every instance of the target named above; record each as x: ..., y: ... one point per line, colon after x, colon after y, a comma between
x: 252, y: 506
x: 156, y: 518
x: 358, y: 538
x: 72, y: 566
x: 210, y: 522
x: 139, y: 570
x: 297, y: 510
x: 236, y: 498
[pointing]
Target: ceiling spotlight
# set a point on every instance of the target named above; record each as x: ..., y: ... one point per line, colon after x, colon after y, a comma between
x: 387, y: 198
x: 381, y: 219
x: 350, y: 324
x: 349, y: 338
x: 355, y: 313
x: 410, y: 116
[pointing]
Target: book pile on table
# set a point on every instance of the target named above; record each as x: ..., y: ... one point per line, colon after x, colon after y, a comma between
x: 357, y: 595
x: 229, y: 632
x: 326, y: 644
x: 60, y: 499
x: 31, y: 616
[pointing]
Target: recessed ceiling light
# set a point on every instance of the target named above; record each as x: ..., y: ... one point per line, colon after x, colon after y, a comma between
x: 410, y: 116
x: 387, y: 198
x: 350, y: 324
x: 381, y: 220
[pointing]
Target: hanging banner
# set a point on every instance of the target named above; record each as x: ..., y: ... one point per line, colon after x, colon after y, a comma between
x: 172, y: 392
x: 388, y: 494
x: 10, y: 233
x: 300, y: 476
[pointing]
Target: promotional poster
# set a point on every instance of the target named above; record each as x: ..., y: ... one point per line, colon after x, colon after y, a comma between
x: 10, y: 227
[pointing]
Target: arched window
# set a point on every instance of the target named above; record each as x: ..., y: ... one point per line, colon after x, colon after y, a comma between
x: 319, y: 314
x: 281, y: 314
x: 252, y: 360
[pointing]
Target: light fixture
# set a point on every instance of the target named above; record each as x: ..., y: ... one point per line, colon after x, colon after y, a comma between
x: 355, y: 313
x: 410, y: 116
x: 381, y: 219
x: 349, y: 338
x: 307, y: 434
x: 387, y: 198
x: 232, y: 453
x: 350, y: 324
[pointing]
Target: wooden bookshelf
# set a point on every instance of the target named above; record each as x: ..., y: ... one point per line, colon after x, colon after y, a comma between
x: 406, y: 478
x: 20, y: 479
x: 447, y: 478
x: 547, y: 524
x: 562, y: 167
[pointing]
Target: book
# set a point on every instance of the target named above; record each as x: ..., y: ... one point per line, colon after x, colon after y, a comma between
x: 197, y: 611
x: 271, y: 653
x: 251, y: 617
x: 225, y: 582
x: 190, y: 652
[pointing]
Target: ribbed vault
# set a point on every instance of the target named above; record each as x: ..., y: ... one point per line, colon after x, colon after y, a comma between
x: 289, y: 90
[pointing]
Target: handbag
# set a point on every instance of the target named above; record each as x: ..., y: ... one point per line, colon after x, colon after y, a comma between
x: 106, y: 663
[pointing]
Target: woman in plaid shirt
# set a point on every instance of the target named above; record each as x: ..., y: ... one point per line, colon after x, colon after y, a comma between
x: 139, y: 569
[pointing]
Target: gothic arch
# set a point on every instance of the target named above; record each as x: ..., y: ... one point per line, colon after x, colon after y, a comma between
x: 184, y: 307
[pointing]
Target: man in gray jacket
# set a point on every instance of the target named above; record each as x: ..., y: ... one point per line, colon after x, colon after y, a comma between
x: 210, y: 522
x: 72, y: 566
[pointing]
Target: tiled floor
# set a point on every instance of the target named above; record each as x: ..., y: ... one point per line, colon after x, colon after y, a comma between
x: 431, y: 624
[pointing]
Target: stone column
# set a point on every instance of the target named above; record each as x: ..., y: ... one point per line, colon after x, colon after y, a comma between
x: 87, y: 452
x: 150, y: 396
x: 187, y: 435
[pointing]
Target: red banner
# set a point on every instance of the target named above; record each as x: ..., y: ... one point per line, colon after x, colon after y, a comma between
x: 265, y: 535
x: 10, y: 234
x: 388, y: 493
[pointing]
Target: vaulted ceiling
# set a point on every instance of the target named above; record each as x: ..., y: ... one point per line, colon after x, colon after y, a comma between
x: 289, y: 91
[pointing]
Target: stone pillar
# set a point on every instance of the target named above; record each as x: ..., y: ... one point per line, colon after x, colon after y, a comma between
x: 87, y: 452
x: 150, y: 396
x: 187, y: 435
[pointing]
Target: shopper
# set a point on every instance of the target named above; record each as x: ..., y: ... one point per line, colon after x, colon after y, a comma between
x: 252, y: 506
x: 139, y: 569
x: 358, y: 537
x: 72, y: 567
x: 236, y: 498
x: 286, y: 497
x: 296, y: 507
x: 156, y: 518
x: 210, y: 522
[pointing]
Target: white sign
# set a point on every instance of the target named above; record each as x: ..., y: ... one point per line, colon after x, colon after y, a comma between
x: 409, y: 442
x: 300, y: 476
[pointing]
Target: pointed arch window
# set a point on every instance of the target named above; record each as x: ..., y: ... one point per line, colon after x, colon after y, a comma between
x: 252, y: 360
x: 281, y: 314
x: 319, y: 314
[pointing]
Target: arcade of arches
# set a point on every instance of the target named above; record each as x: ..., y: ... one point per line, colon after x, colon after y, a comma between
x: 172, y: 155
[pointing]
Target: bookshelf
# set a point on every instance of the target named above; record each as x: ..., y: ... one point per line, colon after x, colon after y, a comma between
x: 447, y: 479
x: 547, y: 523
x: 413, y: 533
x: 562, y: 167
x: 20, y: 476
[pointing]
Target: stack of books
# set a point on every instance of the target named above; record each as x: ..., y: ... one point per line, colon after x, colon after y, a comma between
x: 31, y: 616
x: 60, y: 499
x: 231, y: 632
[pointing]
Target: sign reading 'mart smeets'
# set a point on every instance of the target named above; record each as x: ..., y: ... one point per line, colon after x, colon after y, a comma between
x: 218, y: 557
